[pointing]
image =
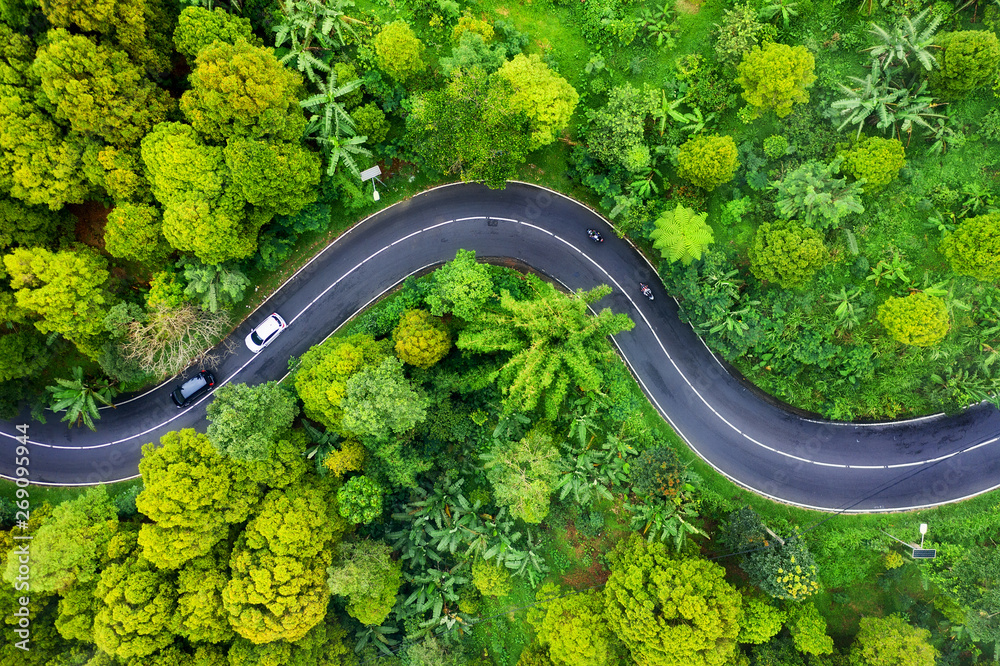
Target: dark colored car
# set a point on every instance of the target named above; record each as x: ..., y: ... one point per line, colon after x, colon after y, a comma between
x: 193, y: 389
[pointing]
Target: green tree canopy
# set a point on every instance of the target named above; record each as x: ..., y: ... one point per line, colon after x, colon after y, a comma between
x: 461, y: 287
x: 135, y: 232
x: 470, y: 128
x: 681, y: 234
x: 523, y: 474
x: 615, y: 134
x: 421, y: 338
x: 398, y: 51
x: 282, y: 177
x: 812, y: 194
x: 891, y: 641
x: 198, y: 27
x: 708, y: 160
x: 491, y: 579
x: 669, y: 611
x: 191, y: 493
x: 472, y: 50
x: 553, y: 341
x: 808, y: 629
x: 877, y: 160
x: 200, y: 613
x: 242, y: 91
x: 787, y: 253
x: 546, y: 98
x: 776, y: 77
x: 365, y: 573
x: 245, y: 422
x: 761, y: 620
x: 380, y: 401
x: 918, y: 319
x: 969, y: 60
x: 360, y: 500
x: 278, y: 587
x: 97, y: 90
x: 370, y: 122
x: 31, y: 226
x: 574, y: 628
x: 973, y: 249
x: 65, y: 289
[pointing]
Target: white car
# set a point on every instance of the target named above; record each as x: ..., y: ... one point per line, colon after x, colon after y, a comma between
x: 265, y: 332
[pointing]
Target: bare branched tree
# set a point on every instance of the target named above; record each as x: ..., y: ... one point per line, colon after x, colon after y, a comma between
x: 173, y: 338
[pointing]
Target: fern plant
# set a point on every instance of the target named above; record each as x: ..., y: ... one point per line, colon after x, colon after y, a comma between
x: 682, y: 235
x: 814, y: 195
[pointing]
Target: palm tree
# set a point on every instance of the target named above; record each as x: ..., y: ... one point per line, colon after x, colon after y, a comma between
x: 873, y: 97
x: 909, y: 37
x: 329, y: 91
x: 80, y: 398
x: 783, y: 7
x: 334, y: 130
x: 309, y: 20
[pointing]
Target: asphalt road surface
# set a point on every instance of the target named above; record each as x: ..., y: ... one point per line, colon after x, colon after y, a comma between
x: 753, y: 441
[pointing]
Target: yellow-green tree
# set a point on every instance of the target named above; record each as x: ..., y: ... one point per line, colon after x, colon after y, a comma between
x: 278, y: 176
x: 135, y: 232
x: 545, y: 97
x: 681, y: 234
x: 776, y: 77
x: 198, y: 27
x: 399, y: 51
x: 278, y: 587
x: 877, y: 160
x: 65, y: 289
x: 969, y: 60
x: 808, y: 629
x: 708, y: 160
x: 574, y: 628
x: 669, y: 611
x: 523, y: 474
x: 462, y: 286
x: 200, y: 614
x: 421, y: 338
x: 787, y: 252
x: 892, y: 641
x: 97, y: 90
x: 31, y: 226
x: 491, y: 579
x: 761, y: 620
x: 365, y: 573
x: 973, y: 249
x: 241, y: 90
x: 918, y: 319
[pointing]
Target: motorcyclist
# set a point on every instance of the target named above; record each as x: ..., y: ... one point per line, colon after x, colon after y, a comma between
x: 646, y: 291
x: 595, y: 235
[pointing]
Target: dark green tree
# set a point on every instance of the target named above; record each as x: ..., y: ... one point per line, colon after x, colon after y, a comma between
x: 246, y: 422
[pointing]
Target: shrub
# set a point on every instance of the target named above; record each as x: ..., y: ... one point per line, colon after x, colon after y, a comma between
x: 399, y: 52
x: 738, y: 33
x: 370, y: 122
x: 974, y: 247
x: 776, y: 77
x: 421, y: 339
x: 350, y: 458
x: 969, y: 60
x: 659, y: 472
x: 918, y: 319
x: 469, y: 24
x: 360, y: 500
x: 491, y: 579
x: 708, y: 161
x: 775, y: 146
x: 877, y: 160
x: 787, y: 252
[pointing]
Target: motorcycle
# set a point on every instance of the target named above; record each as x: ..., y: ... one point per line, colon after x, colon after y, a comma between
x: 646, y: 291
x: 595, y: 235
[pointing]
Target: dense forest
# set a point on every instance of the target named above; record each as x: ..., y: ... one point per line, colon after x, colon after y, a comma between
x: 467, y: 473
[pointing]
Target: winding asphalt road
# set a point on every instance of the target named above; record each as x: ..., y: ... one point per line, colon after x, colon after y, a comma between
x: 754, y: 442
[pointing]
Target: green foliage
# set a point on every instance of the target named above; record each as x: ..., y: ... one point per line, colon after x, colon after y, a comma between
x: 399, y: 52
x: 242, y: 91
x: 658, y: 472
x: 615, y: 132
x: 198, y: 27
x: 491, y: 579
x: 783, y: 568
x: 365, y: 573
x: 681, y: 234
x: 135, y: 231
x: 245, y: 422
x: 360, y: 500
x: 468, y: 24
x: 909, y: 37
x: 776, y: 77
x: 553, y: 339
x: 775, y: 146
x: 65, y: 289
x: 67, y: 548
x: 917, y: 319
x: 421, y: 339
x: 191, y: 493
x: 974, y: 247
x: 380, y: 401
x: 279, y: 176
x: 200, y: 614
x: 472, y: 51
x: 574, y: 629
x: 461, y: 287
x: 787, y: 253
x: 546, y: 98
x: 876, y: 160
x: 761, y: 620
x: 669, y: 611
x: 214, y: 286
x: 370, y: 122
x: 891, y: 641
x: 523, y: 474
x: 278, y: 586
x: 79, y: 398
x: 97, y: 90
x: 813, y: 195
x: 321, y: 378
x: 808, y: 629
x: 738, y: 33
x: 124, y: 177
x: 29, y: 226
x: 471, y: 128
x: 969, y: 60
x: 708, y: 160
x: 312, y: 28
